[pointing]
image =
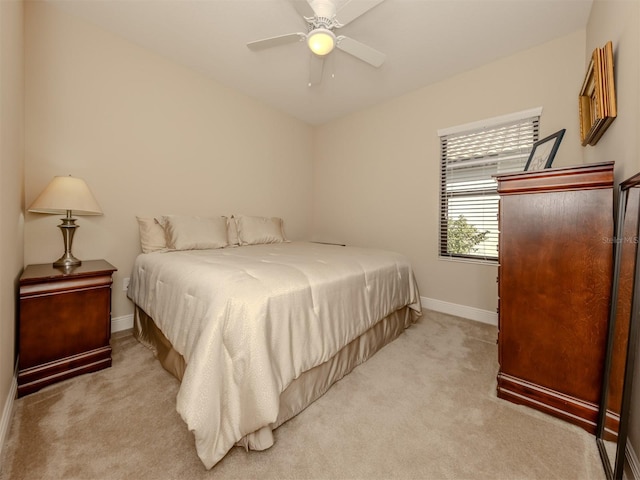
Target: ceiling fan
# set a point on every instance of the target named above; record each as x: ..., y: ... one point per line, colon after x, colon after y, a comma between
x: 323, y: 17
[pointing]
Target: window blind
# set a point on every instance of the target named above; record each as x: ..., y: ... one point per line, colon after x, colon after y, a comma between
x: 468, y: 192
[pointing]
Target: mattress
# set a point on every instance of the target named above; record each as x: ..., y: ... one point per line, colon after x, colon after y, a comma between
x: 248, y: 323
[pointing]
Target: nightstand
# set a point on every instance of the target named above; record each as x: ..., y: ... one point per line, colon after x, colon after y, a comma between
x: 65, y: 322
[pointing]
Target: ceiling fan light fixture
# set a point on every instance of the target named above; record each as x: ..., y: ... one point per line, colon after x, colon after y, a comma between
x: 321, y: 41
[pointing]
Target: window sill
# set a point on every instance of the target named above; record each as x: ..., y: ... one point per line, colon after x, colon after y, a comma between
x: 490, y: 263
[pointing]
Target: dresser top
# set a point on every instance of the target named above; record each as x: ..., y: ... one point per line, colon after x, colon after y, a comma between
x: 577, y: 177
x: 47, y: 272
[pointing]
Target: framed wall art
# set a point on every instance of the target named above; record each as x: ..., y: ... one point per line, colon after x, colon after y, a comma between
x: 597, y: 102
x: 544, y: 151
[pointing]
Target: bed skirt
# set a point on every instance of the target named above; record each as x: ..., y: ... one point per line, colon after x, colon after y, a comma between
x: 305, y: 389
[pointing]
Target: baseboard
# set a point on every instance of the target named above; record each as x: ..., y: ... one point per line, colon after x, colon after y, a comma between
x: 632, y: 460
x: 125, y: 322
x: 7, y: 412
x: 472, y: 313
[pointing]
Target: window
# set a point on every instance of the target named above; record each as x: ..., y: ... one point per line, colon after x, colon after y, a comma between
x: 470, y: 156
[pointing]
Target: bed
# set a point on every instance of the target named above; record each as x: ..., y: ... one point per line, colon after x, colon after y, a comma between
x: 257, y: 332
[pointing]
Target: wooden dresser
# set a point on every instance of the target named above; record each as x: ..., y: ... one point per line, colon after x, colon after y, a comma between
x: 65, y: 323
x: 554, y: 286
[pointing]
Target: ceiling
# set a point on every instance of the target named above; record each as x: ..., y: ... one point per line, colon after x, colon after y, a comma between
x: 425, y: 41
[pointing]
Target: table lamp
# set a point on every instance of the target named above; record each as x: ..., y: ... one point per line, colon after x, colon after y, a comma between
x: 66, y: 195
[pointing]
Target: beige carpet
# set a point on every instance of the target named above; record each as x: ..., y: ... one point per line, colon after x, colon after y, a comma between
x: 424, y: 407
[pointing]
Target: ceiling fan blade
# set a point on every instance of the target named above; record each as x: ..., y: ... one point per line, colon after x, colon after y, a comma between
x: 316, y: 66
x: 360, y: 51
x: 276, y: 41
x: 352, y: 9
x: 303, y: 8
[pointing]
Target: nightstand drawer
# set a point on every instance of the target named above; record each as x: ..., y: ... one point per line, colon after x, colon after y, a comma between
x: 58, y: 325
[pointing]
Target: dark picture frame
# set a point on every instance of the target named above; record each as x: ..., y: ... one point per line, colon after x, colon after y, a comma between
x: 544, y: 151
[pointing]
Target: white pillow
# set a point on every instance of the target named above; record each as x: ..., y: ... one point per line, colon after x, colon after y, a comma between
x: 194, y: 233
x: 152, y: 237
x: 256, y: 230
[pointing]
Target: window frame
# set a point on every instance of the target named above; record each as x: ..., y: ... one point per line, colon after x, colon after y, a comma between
x: 497, y: 157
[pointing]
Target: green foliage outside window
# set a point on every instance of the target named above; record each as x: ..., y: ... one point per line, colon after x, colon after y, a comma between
x: 462, y: 237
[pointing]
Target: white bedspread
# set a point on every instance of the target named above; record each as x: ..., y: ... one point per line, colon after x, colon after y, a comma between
x: 249, y: 320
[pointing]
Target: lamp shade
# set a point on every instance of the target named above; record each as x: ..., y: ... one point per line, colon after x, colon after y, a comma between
x: 64, y: 194
x: 321, y: 41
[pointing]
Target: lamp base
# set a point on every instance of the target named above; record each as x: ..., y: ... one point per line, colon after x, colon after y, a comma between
x: 67, y: 260
x: 68, y: 228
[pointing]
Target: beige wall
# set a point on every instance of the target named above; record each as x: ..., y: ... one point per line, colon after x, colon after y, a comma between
x: 619, y: 21
x: 376, y: 172
x: 11, y: 191
x: 150, y: 138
